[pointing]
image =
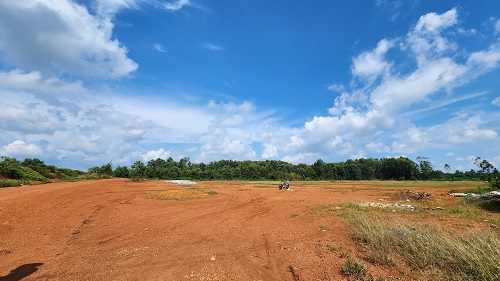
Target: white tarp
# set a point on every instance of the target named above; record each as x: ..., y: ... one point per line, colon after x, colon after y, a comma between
x: 181, y: 182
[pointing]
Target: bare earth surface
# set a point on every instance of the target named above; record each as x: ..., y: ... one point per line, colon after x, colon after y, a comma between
x: 110, y: 230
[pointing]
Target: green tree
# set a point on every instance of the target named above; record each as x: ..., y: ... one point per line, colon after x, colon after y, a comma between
x: 10, y: 168
x: 137, y: 170
x: 425, y: 167
x: 447, y: 168
x: 121, y: 172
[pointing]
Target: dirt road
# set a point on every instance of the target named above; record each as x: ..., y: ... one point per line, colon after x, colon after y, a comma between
x: 109, y: 230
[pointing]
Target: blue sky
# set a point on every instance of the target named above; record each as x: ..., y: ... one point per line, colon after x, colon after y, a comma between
x: 84, y: 83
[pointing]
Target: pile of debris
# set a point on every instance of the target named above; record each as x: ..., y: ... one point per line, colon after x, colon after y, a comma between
x: 487, y: 198
x: 410, y: 195
x: 388, y: 205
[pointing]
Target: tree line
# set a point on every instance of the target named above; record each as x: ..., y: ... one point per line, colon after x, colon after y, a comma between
x: 401, y: 168
x: 15, y: 172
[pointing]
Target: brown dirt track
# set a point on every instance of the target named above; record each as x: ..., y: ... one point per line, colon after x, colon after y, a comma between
x: 109, y: 230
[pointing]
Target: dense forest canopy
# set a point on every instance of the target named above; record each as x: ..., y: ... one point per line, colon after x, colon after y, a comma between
x: 401, y: 168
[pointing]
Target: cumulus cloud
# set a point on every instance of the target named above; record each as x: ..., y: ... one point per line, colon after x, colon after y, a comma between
x: 155, y: 154
x: 458, y: 130
x: 34, y: 81
x: 20, y: 148
x: 232, y: 131
x: 74, y: 130
x: 370, y: 65
x: 396, y: 93
x: 369, y: 115
x: 53, y: 36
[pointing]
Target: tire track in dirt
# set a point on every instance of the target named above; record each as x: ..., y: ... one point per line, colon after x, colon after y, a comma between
x: 232, y: 207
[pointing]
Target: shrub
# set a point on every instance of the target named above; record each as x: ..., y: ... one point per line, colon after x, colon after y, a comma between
x: 495, y: 182
x: 9, y: 183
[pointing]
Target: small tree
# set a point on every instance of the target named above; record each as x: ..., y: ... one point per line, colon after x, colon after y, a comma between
x: 121, y: 172
x: 447, y: 168
x: 137, y: 170
x: 425, y: 167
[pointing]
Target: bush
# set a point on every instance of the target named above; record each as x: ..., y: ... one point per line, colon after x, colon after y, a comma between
x: 31, y: 175
x: 495, y: 182
x: 9, y: 183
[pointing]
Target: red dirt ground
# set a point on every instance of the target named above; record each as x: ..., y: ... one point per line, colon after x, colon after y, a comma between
x: 109, y: 230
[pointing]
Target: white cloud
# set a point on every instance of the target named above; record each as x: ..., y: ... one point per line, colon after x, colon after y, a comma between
x: 433, y: 22
x: 484, y: 61
x: 351, y: 123
x: 159, y: 48
x: 396, y: 93
x: 52, y: 36
x: 34, y: 81
x: 110, y: 7
x: 155, y: 154
x: 369, y: 65
x: 426, y: 40
x: 459, y: 130
x: 336, y: 88
x: 301, y: 158
x: 377, y: 147
x: 496, y: 101
x: 175, y: 5
x: 213, y: 47
x: 20, y: 148
x: 232, y: 132
x: 450, y: 154
x: 370, y: 115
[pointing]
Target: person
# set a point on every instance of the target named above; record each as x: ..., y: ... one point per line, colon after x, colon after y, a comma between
x: 288, y: 185
x: 282, y: 184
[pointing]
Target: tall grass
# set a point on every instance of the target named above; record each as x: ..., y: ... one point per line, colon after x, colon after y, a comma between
x: 429, y: 249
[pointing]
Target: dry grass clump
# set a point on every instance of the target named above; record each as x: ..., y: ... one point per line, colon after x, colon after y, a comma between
x: 428, y: 249
x: 179, y: 194
x: 358, y: 270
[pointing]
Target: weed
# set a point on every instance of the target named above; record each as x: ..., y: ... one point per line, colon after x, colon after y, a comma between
x: 358, y: 270
x: 457, y: 211
x: 334, y: 248
x: 324, y: 228
x: 471, y: 256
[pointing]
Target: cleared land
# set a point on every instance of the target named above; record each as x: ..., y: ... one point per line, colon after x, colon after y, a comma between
x: 122, y: 230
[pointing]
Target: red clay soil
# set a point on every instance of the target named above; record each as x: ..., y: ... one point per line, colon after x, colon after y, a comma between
x: 109, y: 230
